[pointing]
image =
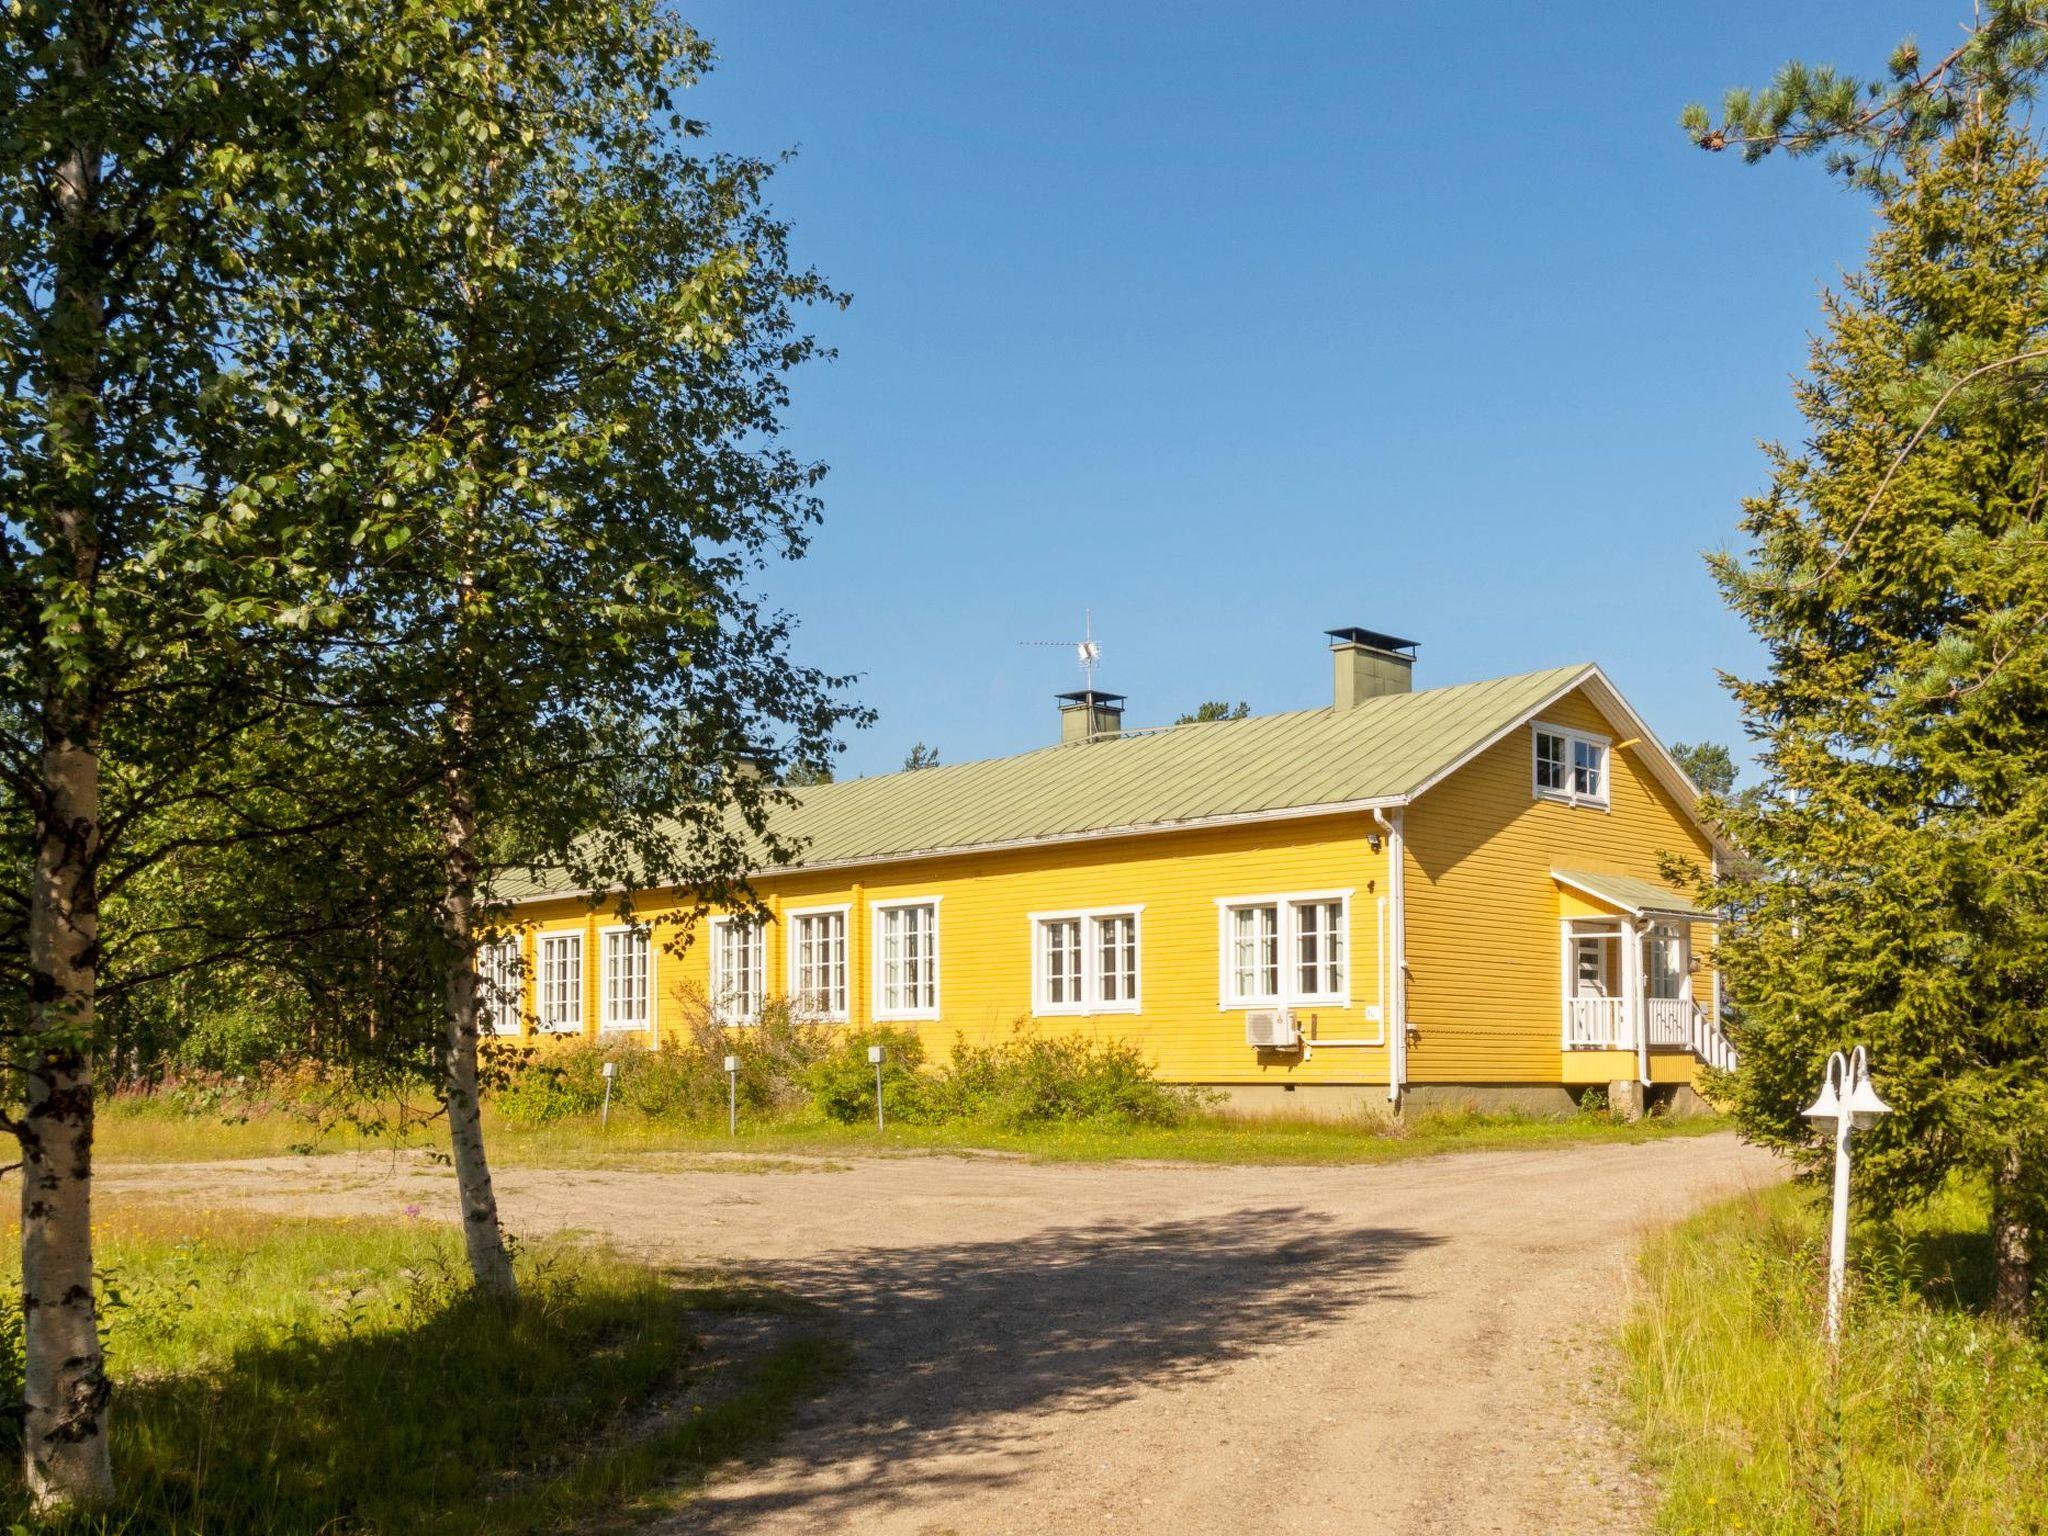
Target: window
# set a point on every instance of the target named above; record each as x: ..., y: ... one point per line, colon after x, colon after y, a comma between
x: 625, y: 987
x: 1319, y: 948
x: 1255, y: 953
x: 817, y: 962
x: 1286, y: 949
x: 1116, y: 960
x: 907, y: 960
x: 1550, y: 770
x: 1665, y: 961
x: 498, y: 975
x: 738, y: 949
x: 1570, y: 766
x: 561, y: 982
x: 1085, y: 962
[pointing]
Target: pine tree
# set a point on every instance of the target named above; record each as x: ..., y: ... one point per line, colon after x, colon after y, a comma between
x: 1215, y: 709
x: 1897, y: 578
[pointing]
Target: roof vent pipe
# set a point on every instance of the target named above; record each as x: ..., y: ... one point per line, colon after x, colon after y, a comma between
x: 1369, y: 665
x: 1089, y: 715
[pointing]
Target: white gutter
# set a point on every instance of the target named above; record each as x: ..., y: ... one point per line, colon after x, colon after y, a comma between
x: 1396, y: 963
x: 911, y: 855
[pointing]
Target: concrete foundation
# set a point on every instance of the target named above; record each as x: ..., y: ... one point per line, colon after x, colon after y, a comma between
x: 1354, y: 1101
x: 1681, y: 1101
x: 1626, y: 1100
x: 1305, y: 1101
x: 1490, y: 1098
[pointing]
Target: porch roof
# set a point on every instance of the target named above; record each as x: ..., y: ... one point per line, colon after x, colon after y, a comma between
x: 1636, y: 897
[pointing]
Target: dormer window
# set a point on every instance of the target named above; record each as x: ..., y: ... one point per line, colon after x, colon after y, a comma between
x: 1570, y: 766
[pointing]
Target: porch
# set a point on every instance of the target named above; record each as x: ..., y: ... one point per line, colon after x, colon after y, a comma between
x: 1629, y: 973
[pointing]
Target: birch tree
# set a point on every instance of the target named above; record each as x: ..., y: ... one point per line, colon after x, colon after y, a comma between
x: 166, y: 566
x: 556, y: 406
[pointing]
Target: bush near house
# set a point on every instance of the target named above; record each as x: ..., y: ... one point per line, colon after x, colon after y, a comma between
x: 789, y: 1065
x: 1937, y: 1420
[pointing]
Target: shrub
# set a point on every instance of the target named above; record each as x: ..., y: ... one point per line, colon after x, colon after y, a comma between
x: 841, y: 1079
x: 683, y: 1080
x: 1033, y: 1079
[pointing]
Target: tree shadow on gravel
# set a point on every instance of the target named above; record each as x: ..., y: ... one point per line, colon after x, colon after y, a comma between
x: 959, y: 1348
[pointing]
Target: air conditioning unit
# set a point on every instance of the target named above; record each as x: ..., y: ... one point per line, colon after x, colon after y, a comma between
x: 1271, y: 1029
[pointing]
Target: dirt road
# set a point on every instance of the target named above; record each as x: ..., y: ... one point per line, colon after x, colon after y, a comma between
x: 1145, y: 1348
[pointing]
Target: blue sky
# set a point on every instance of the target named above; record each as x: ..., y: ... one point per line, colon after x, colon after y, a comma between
x: 1234, y: 323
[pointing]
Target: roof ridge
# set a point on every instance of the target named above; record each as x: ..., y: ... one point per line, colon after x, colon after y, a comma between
x: 1156, y: 731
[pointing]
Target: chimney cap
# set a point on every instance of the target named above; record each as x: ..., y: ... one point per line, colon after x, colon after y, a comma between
x: 1091, y: 698
x: 1372, y: 638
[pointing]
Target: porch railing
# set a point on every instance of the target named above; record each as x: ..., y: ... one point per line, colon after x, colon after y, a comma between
x: 1595, y: 1021
x: 1674, y: 1022
x: 1670, y: 1020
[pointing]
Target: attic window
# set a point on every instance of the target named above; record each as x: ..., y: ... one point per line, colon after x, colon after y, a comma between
x: 1570, y: 766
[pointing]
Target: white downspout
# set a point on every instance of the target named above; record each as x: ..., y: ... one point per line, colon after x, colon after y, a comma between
x: 1396, y: 963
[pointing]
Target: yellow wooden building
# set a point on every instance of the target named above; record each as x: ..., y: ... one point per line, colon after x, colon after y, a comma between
x: 1450, y: 894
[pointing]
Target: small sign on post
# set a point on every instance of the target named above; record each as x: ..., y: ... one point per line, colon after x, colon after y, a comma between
x: 732, y: 1095
x: 1848, y: 1099
x: 875, y: 1056
x: 604, y: 1113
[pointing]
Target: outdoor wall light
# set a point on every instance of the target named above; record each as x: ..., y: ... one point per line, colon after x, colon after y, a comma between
x: 1849, y: 1099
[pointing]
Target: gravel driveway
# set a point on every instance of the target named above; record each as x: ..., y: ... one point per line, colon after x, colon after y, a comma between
x: 1146, y: 1348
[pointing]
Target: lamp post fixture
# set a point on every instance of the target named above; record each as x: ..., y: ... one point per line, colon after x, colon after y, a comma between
x: 1848, y: 1099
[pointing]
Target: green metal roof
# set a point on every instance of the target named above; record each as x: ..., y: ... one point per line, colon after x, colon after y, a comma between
x: 1638, y: 898
x: 1381, y: 750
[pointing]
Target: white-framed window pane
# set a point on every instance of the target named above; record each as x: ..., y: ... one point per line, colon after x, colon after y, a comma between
x: 1059, y: 959
x: 820, y: 940
x: 910, y: 959
x: 1664, y: 957
x: 738, y: 950
x: 1255, y: 953
x: 561, y: 981
x: 1550, y: 760
x: 1319, y: 948
x: 627, y: 960
x: 1116, y: 958
x: 498, y: 987
x: 1589, y: 769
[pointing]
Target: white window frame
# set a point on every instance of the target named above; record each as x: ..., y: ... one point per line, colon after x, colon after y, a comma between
x: 501, y: 999
x: 793, y: 921
x: 878, y: 912
x: 722, y: 1010
x: 568, y: 1022
x: 1573, y: 740
x: 607, y: 1020
x: 1091, y: 1000
x: 1290, y: 995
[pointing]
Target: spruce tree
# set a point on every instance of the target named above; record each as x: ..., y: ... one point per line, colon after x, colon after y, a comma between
x: 1898, y: 579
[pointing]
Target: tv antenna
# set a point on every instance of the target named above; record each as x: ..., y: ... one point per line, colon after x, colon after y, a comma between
x: 1085, y: 649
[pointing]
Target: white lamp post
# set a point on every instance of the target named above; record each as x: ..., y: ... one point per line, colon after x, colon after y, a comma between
x: 604, y: 1113
x: 875, y: 1056
x: 732, y: 1095
x: 1848, y: 1099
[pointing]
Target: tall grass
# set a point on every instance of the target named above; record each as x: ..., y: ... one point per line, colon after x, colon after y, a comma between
x: 1935, y: 1421
x: 140, y: 1130
x: 302, y: 1376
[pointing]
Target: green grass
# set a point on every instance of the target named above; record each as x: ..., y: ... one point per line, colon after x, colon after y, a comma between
x: 337, y: 1377
x: 1938, y: 1421
x: 141, y: 1130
